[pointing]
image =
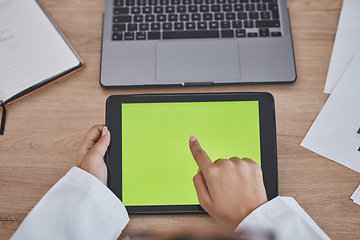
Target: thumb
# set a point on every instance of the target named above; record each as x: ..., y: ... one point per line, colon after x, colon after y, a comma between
x: 100, y: 147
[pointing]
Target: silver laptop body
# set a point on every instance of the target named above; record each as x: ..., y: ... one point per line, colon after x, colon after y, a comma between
x: 143, y: 45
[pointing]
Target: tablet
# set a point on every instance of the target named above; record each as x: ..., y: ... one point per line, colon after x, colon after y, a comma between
x: 150, y: 166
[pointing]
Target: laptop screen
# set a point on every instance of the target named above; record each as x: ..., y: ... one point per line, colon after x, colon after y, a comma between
x: 157, y: 165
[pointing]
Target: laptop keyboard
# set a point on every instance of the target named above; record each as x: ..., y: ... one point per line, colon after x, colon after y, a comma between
x: 181, y: 19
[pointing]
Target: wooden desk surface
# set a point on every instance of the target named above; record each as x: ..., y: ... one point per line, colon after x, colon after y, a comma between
x: 44, y: 129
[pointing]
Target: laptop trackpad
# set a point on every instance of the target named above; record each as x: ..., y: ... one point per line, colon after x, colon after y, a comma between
x: 197, y: 61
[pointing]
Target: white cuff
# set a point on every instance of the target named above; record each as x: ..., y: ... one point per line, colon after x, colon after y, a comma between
x: 282, y: 217
x: 101, y: 194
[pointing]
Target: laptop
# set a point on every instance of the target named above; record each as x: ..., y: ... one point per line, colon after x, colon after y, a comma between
x: 196, y: 42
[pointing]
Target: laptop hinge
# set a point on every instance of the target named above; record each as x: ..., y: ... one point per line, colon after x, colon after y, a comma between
x: 197, y: 83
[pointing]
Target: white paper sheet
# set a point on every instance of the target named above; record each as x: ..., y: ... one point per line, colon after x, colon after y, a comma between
x: 356, y: 196
x: 347, y: 42
x: 334, y: 132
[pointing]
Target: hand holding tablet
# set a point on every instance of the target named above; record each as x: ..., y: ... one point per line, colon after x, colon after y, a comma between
x: 149, y: 163
x: 228, y: 189
x: 91, y: 152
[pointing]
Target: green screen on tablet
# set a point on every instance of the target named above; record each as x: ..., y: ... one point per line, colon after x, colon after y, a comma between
x: 157, y: 165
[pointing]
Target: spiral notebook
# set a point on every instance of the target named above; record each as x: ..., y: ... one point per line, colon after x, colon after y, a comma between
x: 33, y: 51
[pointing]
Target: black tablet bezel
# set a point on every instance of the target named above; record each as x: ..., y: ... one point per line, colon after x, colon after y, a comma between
x: 267, y: 141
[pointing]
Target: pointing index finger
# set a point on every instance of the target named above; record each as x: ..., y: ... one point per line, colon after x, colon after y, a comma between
x: 200, y: 156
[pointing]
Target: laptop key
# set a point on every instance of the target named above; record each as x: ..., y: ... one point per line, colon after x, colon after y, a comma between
x: 167, y: 26
x: 253, y: 15
x: 267, y: 23
x: 227, y: 33
x: 214, y: 25
x: 161, y: 18
x: 242, y: 15
x: 202, y: 25
x: 130, y: 2
x: 207, y: 16
x: 118, y: 2
x: 173, y: 17
x: 240, y: 33
x: 144, y: 26
x: 153, y: 2
x: 274, y: 10
x: 132, y: 27
x: 179, y: 26
x: 196, y: 17
x: 150, y: 18
x: 248, y: 24
x: 187, y: 2
x: 184, y: 17
x: 181, y: 9
x: 190, y: 25
x: 122, y: 10
x: 117, y: 36
x: 154, y: 35
x: 204, y: 8
x: 273, y: 6
x: 122, y: 19
x: 252, y: 34
x: 170, y: 9
x: 140, y: 35
x: 118, y: 27
x: 190, y: 34
x: 129, y: 36
x: 261, y: 7
x: 225, y: 24
x: 215, y: 8
x: 250, y: 7
x: 276, y: 34
x: 155, y: 26
x: 265, y: 15
x: 138, y: 18
x: 147, y: 9
x: 219, y: 16
x: 175, y: 2
x: 230, y: 16
x: 264, y: 32
x: 238, y: 7
x: 193, y: 8
x: 227, y: 8
x: 158, y: 9
x: 141, y: 2
x: 135, y: 10
x: 237, y: 24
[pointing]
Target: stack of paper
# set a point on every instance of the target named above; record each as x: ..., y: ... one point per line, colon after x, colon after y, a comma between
x: 356, y: 196
x: 347, y: 42
x: 335, y: 134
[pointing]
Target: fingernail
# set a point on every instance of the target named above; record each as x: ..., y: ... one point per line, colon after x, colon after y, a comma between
x: 104, y: 131
x: 192, y: 138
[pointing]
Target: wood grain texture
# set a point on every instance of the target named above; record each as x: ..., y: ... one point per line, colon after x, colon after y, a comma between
x: 44, y: 129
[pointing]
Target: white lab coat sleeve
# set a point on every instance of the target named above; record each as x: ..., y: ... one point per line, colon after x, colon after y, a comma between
x: 78, y: 206
x: 282, y: 218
